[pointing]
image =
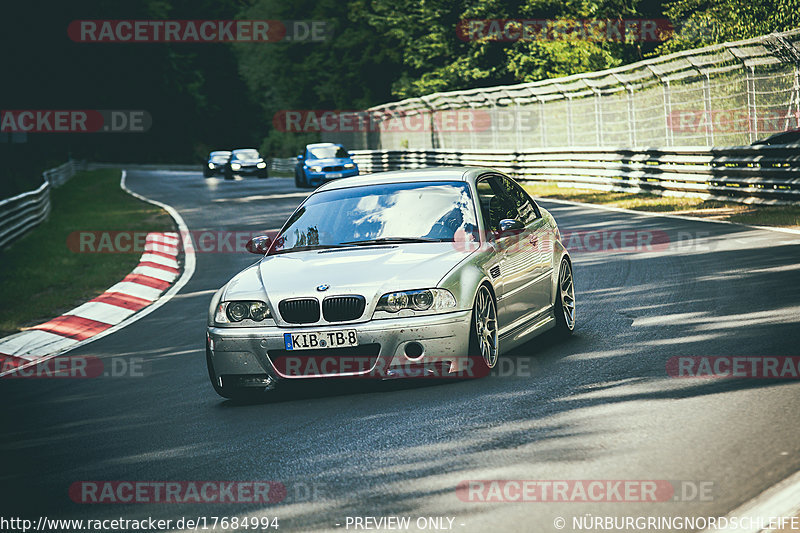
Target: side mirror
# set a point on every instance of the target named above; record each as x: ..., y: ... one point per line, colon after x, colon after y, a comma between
x: 510, y: 226
x: 299, y: 157
x: 258, y: 245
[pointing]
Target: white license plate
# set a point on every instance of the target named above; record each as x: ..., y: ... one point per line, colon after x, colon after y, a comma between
x: 334, y: 175
x: 320, y: 339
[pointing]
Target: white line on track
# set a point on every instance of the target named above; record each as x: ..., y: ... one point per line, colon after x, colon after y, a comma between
x: 667, y: 215
x: 780, y: 500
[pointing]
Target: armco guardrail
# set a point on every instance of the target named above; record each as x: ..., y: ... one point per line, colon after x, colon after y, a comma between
x: 285, y: 164
x: 23, y: 212
x: 747, y: 174
x: 56, y: 177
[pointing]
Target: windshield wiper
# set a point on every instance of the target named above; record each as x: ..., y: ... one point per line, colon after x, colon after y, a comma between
x: 312, y: 247
x: 393, y: 240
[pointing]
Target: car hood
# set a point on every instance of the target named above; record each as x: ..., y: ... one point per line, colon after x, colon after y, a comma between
x: 252, y: 161
x: 369, y: 271
x: 328, y: 161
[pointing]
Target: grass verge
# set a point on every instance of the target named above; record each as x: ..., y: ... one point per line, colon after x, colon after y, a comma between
x: 758, y: 215
x: 42, y: 278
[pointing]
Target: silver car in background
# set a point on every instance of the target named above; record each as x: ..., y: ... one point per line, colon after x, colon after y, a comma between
x: 430, y: 272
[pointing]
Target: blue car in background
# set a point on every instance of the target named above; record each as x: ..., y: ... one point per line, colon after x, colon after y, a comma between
x: 323, y: 162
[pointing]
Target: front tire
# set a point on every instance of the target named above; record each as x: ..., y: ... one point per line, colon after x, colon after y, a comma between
x: 228, y: 173
x: 565, y: 299
x: 298, y: 181
x: 484, y: 348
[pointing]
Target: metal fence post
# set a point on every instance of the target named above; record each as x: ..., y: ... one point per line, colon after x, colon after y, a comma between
x: 542, y: 125
x: 570, y: 132
x: 668, y: 111
x: 598, y: 117
x: 494, y: 124
x: 796, y: 88
x: 631, y: 116
x: 707, y: 108
x: 751, y: 102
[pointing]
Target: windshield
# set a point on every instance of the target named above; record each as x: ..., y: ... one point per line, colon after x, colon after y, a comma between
x: 439, y: 211
x: 246, y: 154
x: 219, y: 158
x: 328, y: 152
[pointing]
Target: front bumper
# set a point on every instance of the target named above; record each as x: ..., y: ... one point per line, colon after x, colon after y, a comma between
x: 242, y: 352
x: 250, y: 170
x: 318, y: 178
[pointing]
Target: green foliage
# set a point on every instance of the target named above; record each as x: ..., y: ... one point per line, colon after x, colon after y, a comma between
x: 705, y: 22
x: 280, y: 144
x: 215, y: 96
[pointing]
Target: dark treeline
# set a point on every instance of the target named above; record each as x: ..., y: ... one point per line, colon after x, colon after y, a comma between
x: 216, y: 96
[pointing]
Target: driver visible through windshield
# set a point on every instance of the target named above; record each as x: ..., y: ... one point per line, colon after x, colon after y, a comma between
x: 328, y: 152
x: 381, y: 214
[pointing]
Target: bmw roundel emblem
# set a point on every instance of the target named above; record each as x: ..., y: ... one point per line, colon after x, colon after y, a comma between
x: 323, y: 287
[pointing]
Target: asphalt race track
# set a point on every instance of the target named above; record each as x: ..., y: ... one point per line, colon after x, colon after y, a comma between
x: 598, y: 406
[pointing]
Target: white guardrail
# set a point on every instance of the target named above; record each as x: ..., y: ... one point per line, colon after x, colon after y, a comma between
x: 285, y: 164
x: 23, y: 212
x: 745, y: 174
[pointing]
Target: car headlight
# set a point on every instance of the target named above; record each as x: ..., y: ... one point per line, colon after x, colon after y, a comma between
x: 315, y: 169
x: 235, y: 166
x: 261, y: 165
x: 211, y: 165
x: 349, y: 165
x: 421, y: 300
x: 232, y: 312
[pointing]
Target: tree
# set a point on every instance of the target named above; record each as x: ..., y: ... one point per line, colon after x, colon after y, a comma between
x: 705, y: 22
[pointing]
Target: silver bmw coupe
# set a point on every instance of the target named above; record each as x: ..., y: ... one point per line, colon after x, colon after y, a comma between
x: 430, y: 272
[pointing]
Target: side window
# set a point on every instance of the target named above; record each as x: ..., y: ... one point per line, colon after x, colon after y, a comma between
x: 522, y: 202
x: 495, y: 203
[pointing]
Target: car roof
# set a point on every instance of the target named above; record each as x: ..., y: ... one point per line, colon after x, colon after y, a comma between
x: 245, y: 150
x: 317, y: 145
x: 403, y: 176
x: 220, y: 152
